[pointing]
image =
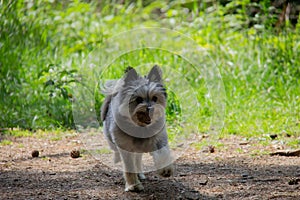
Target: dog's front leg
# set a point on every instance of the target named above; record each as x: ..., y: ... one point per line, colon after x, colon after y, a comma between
x: 163, y: 161
x: 140, y: 166
x: 131, y: 171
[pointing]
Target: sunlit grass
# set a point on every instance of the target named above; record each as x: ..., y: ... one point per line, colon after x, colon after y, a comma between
x: 206, y: 142
x: 5, y: 142
x: 259, y: 67
x: 54, y: 135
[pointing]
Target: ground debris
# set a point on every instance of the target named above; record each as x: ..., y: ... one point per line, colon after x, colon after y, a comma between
x: 75, y: 153
x: 209, y: 149
x: 203, y: 180
x: 286, y: 153
x: 35, y: 153
x: 225, y: 174
x: 293, y: 181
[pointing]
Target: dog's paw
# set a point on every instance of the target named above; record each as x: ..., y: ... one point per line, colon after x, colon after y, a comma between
x: 166, y: 171
x: 141, y: 176
x: 134, y: 188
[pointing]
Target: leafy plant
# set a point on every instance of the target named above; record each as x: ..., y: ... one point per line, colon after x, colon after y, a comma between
x: 44, y: 43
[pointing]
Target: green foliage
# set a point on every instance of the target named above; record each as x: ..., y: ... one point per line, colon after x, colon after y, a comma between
x: 5, y: 142
x: 43, y: 44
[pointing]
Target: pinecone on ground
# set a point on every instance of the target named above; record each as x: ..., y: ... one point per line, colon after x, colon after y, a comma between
x: 75, y: 154
x: 35, y: 153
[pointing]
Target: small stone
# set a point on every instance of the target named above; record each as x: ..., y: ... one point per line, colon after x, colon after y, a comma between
x: 75, y: 154
x: 35, y: 153
x: 191, y: 194
x: 203, y: 180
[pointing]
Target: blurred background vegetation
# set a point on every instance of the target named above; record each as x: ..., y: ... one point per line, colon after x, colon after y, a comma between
x: 255, y: 44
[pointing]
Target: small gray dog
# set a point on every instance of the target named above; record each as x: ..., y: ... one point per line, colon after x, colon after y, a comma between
x: 133, y: 115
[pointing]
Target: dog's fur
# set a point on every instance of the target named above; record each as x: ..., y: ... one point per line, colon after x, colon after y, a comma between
x: 133, y: 115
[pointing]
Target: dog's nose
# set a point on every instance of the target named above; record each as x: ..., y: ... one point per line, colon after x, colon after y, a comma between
x: 149, y: 108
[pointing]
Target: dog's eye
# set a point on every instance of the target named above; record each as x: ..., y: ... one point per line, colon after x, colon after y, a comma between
x: 154, y: 98
x: 139, y: 100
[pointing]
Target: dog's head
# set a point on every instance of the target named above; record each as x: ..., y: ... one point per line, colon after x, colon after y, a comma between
x: 147, y: 96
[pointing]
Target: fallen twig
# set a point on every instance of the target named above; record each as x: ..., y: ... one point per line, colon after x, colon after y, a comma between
x: 286, y: 153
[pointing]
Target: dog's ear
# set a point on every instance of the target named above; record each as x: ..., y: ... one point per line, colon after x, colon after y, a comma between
x: 155, y: 74
x: 131, y: 75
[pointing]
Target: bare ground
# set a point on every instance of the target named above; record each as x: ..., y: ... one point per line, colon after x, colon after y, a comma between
x: 238, y: 170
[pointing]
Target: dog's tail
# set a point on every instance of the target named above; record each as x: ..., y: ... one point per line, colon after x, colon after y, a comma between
x: 110, y: 88
x: 105, y: 107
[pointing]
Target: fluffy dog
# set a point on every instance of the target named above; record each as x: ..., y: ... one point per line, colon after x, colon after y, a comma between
x: 133, y: 115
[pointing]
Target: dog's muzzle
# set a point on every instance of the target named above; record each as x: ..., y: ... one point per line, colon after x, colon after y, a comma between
x: 145, y: 116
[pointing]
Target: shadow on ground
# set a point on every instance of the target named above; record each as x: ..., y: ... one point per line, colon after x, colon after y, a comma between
x: 236, y: 178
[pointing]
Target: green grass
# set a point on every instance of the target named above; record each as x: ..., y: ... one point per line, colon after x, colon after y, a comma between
x: 205, y: 143
x: 20, y: 133
x: 53, y: 135
x: 56, y: 138
x: 45, y: 158
x: 293, y: 143
x: 104, y: 151
x: 44, y: 45
x: 5, y: 142
x: 258, y: 152
x: 20, y: 145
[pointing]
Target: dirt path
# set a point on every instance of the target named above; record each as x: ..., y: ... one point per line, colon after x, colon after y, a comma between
x: 231, y: 172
